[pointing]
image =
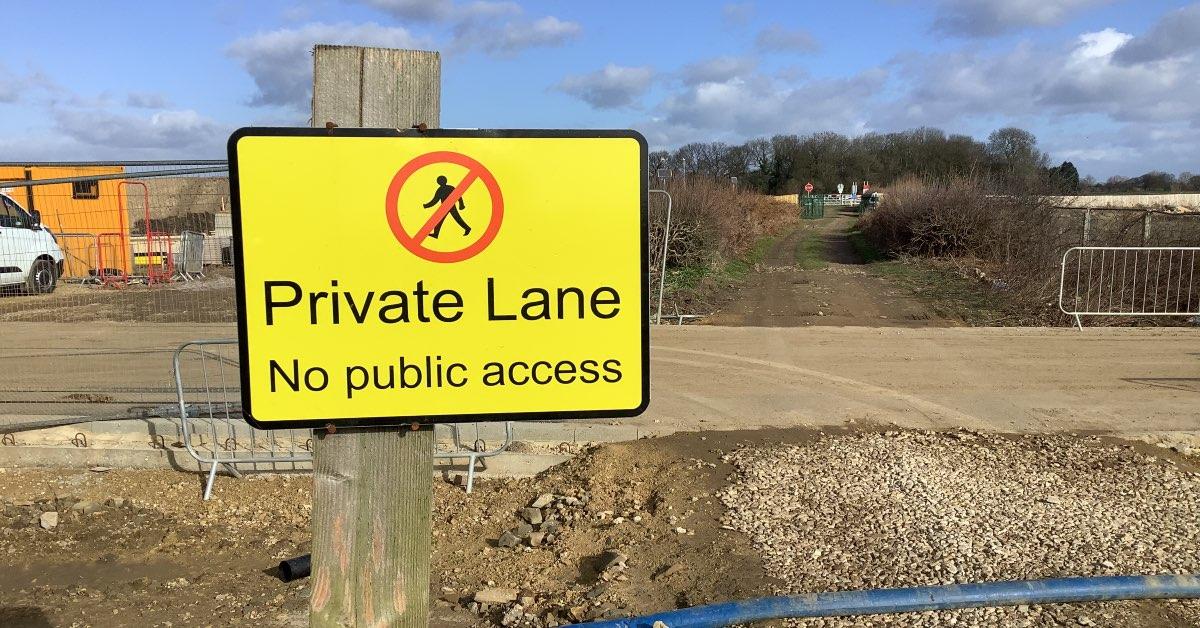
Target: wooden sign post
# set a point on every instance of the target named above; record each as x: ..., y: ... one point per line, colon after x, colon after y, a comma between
x: 373, y: 487
x: 518, y: 310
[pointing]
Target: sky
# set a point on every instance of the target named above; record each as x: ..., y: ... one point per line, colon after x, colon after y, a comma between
x: 1113, y: 86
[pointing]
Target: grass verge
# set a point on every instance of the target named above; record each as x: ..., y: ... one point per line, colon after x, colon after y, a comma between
x: 864, y: 249
x: 946, y: 291
x: 699, y: 285
x: 737, y: 269
x: 935, y: 282
x: 810, y: 252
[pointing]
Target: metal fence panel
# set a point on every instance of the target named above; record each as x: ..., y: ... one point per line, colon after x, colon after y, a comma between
x: 1129, y: 281
x: 208, y: 390
x: 130, y: 241
x: 189, y: 255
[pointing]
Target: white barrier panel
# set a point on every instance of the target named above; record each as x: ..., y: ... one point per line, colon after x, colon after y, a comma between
x: 1129, y: 281
x: 215, y: 434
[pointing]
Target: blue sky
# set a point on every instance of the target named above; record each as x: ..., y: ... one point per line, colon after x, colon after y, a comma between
x: 1112, y: 85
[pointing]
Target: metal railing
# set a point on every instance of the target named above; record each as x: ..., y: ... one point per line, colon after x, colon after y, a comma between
x: 215, y: 434
x: 1129, y: 281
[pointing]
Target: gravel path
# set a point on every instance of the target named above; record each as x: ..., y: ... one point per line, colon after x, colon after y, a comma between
x: 913, y: 508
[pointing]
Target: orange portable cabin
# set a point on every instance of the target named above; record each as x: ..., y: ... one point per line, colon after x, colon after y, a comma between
x: 89, y: 218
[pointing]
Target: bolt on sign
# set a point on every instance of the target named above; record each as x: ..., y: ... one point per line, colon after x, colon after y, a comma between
x: 389, y: 276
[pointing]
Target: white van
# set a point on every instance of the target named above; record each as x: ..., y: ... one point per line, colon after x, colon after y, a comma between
x: 30, y: 257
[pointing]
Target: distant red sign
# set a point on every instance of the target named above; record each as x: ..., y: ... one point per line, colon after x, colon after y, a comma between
x: 808, y: 188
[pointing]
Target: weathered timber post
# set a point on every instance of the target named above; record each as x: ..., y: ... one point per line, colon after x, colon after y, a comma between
x: 373, y: 488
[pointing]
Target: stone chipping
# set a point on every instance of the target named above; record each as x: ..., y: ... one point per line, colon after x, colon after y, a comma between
x: 898, y: 509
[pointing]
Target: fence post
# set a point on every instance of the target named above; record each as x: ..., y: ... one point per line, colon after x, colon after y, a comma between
x: 1087, y: 225
x: 373, y: 488
x: 1146, y: 227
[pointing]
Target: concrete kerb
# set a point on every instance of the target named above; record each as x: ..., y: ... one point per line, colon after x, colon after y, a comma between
x: 156, y: 443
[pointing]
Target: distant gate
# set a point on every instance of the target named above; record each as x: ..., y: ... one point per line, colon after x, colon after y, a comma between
x: 812, y: 207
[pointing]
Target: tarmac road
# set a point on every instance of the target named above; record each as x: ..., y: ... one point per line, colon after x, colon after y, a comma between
x: 711, y: 378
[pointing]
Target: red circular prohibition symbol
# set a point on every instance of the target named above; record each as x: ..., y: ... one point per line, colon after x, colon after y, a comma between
x: 475, y: 170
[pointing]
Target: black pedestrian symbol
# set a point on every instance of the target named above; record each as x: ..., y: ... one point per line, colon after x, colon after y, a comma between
x: 444, y: 193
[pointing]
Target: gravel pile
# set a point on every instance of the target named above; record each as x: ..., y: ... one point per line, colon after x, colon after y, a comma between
x: 913, y: 508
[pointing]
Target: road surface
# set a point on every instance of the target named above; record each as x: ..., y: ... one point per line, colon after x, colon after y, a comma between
x: 708, y: 377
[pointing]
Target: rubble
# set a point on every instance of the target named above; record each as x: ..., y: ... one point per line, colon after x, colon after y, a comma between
x: 540, y: 525
x: 496, y: 596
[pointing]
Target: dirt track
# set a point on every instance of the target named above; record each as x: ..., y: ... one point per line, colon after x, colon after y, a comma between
x: 835, y: 290
x: 702, y: 377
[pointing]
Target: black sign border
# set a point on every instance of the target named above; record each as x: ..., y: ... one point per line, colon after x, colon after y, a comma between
x: 388, y: 421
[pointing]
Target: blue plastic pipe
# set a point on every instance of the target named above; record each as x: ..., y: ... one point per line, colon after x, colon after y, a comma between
x: 916, y: 599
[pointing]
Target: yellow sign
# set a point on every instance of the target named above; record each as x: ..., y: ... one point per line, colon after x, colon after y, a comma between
x: 392, y: 276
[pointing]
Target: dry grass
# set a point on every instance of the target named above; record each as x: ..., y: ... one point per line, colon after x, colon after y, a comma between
x: 712, y: 226
x: 713, y: 218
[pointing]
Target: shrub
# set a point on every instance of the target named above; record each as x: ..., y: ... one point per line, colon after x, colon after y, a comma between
x: 1013, y: 241
x: 712, y: 224
x: 712, y: 221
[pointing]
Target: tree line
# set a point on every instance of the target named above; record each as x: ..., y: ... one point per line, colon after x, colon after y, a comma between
x: 1009, y: 159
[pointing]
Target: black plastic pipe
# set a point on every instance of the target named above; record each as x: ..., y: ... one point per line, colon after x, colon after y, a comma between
x: 295, y: 568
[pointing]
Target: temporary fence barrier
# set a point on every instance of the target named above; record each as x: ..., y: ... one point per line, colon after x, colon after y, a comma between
x: 121, y: 225
x: 80, y: 255
x: 661, y: 266
x: 190, y: 255
x: 1129, y: 281
x: 680, y: 318
x: 215, y: 435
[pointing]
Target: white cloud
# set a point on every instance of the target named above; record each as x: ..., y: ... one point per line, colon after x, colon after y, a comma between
x: 442, y: 10
x: 1091, y: 81
x: 494, y: 26
x: 1176, y: 34
x: 87, y: 134
x: 1029, y: 80
x: 519, y: 35
x: 611, y: 87
x: 1091, y: 153
x: 280, y: 63
x: 717, y: 69
x: 758, y: 104
x: 19, y: 86
x: 1070, y: 95
x: 737, y: 13
x: 989, y: 18
x: 147, y: 100
x: 776, y: 38
x: 417, y: 10
x: 1078, y: 96
x: 181, y: 132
